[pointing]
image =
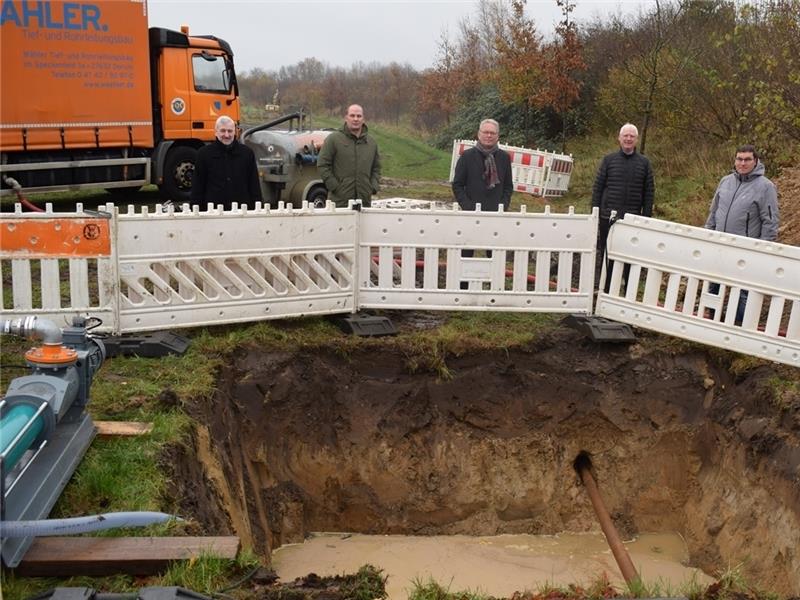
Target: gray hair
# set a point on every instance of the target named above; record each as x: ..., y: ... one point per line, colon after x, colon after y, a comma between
x: 629, y: 126
x: 222, y: 120
x: 490, y: 122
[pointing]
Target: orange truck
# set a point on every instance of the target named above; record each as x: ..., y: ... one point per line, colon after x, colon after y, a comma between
x: 92, y: 98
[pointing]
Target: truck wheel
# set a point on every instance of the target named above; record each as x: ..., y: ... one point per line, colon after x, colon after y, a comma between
x: 317, y: 196
x: 178, y: 172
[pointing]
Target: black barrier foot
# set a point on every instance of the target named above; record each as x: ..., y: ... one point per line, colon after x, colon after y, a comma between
x: 599, y: 329
x: 365, y: 325
x: 148, y: 345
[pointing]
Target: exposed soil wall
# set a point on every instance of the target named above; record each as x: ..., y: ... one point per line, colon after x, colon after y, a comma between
x: 317, y: 441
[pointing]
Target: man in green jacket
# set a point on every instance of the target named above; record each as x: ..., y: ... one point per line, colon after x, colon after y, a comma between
x: 349, y: 162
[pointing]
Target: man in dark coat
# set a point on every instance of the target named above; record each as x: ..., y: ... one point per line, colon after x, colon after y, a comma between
x: 624, y: 183
x: 349, y: 162
x: 483, y: 173
x: 225, y: 170
x: 483, y: 176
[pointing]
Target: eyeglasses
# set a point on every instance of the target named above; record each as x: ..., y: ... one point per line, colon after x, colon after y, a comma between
x: 488, y: 132
x: 746, y: 159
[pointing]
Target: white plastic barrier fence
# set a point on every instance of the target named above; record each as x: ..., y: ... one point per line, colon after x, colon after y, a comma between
x: 57, y: 265
x: 145, y: 270
x: 191, y: 267
x: 447, y: 259
x: 687, y: 281
x: 536, y: 172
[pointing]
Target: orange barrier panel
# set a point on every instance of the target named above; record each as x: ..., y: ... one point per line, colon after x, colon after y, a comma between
x: 55, y: 238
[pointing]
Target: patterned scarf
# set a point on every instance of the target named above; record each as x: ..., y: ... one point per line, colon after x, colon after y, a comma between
x: 489, y: 166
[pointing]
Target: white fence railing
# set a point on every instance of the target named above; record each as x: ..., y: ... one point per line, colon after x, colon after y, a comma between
x: 461, y: 260
x: 149, y: 270
x: 188, y: 268
x: 674, y: 270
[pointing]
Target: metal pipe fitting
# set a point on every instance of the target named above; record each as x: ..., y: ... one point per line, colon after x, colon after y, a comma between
x: 34, y: 328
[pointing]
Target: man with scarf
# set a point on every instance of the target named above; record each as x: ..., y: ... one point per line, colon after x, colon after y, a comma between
x: 483, y: 173
x: 225, y: 170
x: 483, y: 176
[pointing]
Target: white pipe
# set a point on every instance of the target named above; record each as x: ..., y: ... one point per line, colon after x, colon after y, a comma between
x: 72, y: 526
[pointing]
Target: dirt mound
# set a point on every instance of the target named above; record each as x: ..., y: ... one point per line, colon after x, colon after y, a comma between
x: 788, y: 185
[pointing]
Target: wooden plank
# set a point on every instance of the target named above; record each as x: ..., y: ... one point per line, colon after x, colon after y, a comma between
x: 97, y: 556
x: 122, y: 428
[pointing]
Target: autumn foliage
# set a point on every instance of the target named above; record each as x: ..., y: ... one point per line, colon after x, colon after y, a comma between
x: 721, y: 70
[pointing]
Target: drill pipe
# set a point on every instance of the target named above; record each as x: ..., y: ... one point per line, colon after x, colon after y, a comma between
x: 612, y: 537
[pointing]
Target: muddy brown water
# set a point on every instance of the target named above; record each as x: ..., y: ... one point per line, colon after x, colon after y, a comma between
x: 496, y: 566
x: 317, y: 441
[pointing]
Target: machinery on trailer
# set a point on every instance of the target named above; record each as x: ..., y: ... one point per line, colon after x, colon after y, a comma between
x: 286, y: 155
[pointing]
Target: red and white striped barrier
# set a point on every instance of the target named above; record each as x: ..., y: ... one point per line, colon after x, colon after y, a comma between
x: 536, y: 172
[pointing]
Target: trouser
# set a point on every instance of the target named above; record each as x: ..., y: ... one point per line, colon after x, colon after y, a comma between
x: 604, y: 227
x: 713, y: 288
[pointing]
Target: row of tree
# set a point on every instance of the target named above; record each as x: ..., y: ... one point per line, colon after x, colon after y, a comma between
x: 718, y: 69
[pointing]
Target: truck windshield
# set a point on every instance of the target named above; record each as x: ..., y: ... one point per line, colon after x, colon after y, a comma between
x: 210, y: 74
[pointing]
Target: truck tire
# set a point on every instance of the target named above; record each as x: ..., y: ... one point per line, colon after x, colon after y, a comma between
x: 317, y: 196
x: 178, y: 172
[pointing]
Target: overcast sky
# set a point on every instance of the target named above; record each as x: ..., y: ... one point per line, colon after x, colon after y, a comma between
x: 272, y: 33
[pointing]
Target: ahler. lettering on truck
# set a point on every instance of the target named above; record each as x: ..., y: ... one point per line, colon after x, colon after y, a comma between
x: 84, y: 66
x: 44, y: 15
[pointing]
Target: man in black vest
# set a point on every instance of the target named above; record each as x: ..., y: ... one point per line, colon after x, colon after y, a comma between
x: 624, y: 183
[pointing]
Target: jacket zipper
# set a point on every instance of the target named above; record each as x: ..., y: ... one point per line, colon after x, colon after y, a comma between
x: 733, y: 199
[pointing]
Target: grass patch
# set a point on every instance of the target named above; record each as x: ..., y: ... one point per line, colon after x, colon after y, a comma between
x: 211, y: 575
x: 404, y: 155
x: 91, y: 198
x: 432, y: 590
x: 104, y: 481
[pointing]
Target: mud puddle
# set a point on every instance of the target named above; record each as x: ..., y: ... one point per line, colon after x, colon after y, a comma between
x: 494, y: 565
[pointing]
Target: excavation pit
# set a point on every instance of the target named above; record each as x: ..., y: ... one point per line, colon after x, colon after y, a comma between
x: 295, y: 443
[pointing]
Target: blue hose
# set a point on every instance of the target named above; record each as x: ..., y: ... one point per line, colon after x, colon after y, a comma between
x: 16, y: 529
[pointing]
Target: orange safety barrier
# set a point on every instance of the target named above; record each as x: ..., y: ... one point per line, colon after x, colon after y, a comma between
x: 55, y: 238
